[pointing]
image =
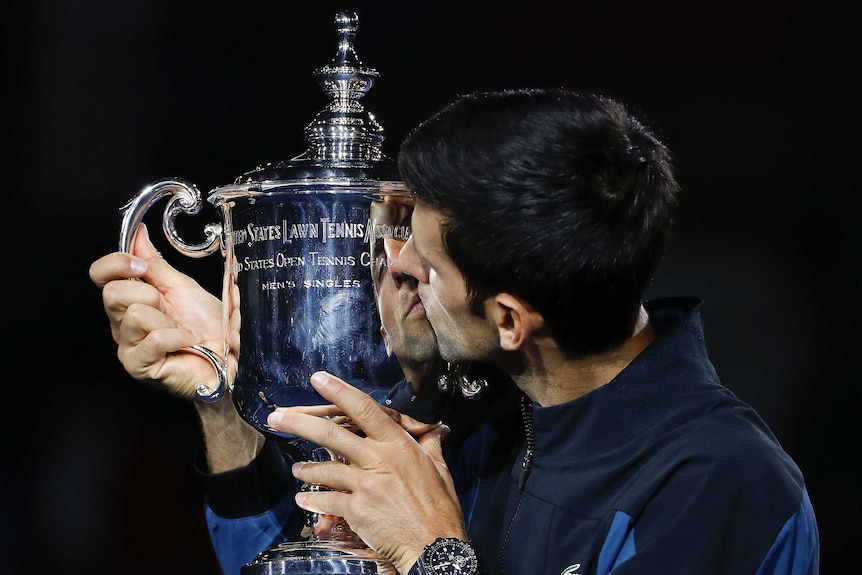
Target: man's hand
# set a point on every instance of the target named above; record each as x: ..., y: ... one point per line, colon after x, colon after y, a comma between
x: 153, y: 321
x: 395, y: 492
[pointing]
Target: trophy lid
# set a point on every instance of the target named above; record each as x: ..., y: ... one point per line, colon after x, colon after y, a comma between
x: 344, y: 140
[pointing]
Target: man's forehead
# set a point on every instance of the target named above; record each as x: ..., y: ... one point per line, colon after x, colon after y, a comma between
x: 425, y: 221
x: 428, y: 211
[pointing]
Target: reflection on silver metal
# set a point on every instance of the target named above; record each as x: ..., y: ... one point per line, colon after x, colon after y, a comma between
x: 456, y: 375
x: 471, y: 388
x: 318, y: 558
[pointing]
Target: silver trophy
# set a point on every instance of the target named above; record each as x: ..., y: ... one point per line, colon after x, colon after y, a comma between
x: 299, y: 240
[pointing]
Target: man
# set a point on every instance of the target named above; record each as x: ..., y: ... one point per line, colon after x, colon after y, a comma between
x: 167, y: 312
x: 540, y: 219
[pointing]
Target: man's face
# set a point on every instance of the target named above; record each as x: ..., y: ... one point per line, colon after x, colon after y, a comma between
x: 406, y: 329
x: 461, y: 334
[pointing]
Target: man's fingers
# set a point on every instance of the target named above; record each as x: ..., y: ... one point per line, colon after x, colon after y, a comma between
x: 325, y: 523
x: 159, y: 343
x: 117, y: 296
x: 333, y: 474
x: 141, y: 319
x: 432, y: 443
x: 324, y: 502
x: 142, y: 245
x: 323, y: 410
x: 318, y: 430
x: 122, y: 265
x: 146, y: 336
x: 361, y: 408
x: 116, y: 266
x: 159, y: 272
x: 414, y: 427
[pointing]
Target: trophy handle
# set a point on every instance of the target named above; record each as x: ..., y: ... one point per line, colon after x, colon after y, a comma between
x: 185, y: 198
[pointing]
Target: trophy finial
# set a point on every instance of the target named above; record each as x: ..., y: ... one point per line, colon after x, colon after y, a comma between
x: 346, y: 24
x: 344, y: 130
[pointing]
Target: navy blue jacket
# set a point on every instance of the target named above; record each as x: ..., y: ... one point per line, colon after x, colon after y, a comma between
x: 661, y: 471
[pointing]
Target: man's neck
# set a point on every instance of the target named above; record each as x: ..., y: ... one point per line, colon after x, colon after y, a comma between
x: 420, y: 375
x: 551, y: 378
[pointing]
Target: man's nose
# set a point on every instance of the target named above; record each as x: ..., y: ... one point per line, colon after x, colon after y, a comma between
x: 409, y: 264
x: 395, y: 267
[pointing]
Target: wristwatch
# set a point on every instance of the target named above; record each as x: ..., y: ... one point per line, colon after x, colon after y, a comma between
x: 446, y: 556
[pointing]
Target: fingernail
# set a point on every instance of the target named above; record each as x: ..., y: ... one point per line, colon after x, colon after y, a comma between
x: 444, y: 431
x: 299, y: 498
x: 274, y: 418
x: 138, y: 265
x: 297, y: 467
x: 319, y: 379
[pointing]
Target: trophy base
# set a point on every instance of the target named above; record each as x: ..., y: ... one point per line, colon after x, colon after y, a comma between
x: 319, y: 558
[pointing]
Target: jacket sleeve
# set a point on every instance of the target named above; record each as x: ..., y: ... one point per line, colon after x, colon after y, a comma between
x: 251, y: 509
x: 726, y: 513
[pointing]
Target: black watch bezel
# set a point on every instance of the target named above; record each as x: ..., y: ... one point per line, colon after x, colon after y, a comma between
x: 447, y: 556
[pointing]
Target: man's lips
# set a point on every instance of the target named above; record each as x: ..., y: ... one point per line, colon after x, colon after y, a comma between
x: 415, y: 306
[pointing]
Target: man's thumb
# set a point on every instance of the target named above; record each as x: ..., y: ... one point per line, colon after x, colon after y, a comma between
x: 159, y: 271
x: 432, y: 442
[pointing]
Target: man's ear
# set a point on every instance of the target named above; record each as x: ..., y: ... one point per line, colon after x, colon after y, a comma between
x: 386, y: 341
x: 516, y: 321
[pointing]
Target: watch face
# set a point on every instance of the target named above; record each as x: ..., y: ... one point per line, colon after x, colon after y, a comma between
x: 450, y: 557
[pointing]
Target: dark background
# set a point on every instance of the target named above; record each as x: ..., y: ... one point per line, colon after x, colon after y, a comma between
x: 757, y: 99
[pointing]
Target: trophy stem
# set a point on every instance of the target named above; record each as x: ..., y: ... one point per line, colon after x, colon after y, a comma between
x: 338, y: 551
x: 340, y: 531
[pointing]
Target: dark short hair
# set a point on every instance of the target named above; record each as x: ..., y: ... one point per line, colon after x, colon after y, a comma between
x: 559, y: 197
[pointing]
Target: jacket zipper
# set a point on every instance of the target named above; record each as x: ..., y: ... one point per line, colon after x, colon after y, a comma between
x: 530, y: 437
x: 526, y: 463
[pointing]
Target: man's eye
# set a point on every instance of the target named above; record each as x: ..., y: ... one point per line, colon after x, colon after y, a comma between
x: 382, y: 266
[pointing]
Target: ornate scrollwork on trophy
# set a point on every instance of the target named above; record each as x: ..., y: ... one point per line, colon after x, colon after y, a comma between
x: 458, y: 376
